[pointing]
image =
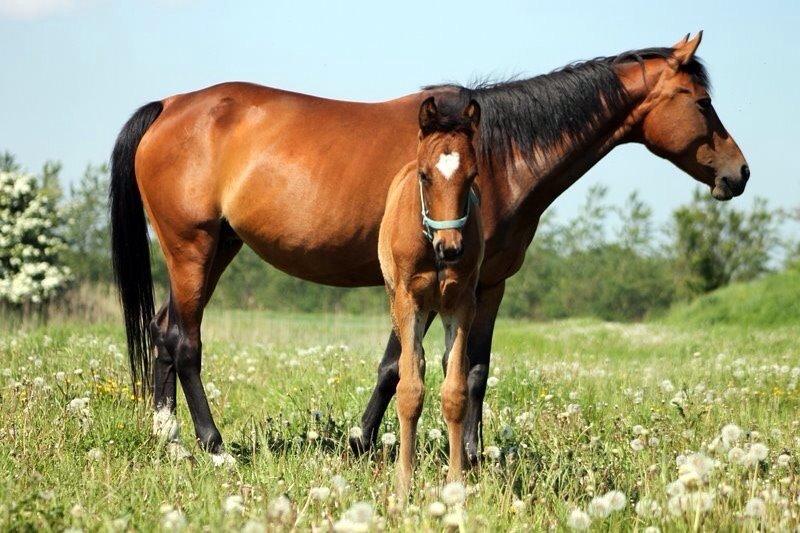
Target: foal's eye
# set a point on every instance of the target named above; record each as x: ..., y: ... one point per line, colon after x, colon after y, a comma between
x: 704, y: 104
x: 423, y: 176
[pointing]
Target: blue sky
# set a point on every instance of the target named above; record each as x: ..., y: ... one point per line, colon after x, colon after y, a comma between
x: 73, y: 70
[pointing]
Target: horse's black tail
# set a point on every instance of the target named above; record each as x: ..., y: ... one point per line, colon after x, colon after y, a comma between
x: 130, y: 245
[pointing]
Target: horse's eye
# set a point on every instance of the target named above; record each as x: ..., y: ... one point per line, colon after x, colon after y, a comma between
x: 423, y: 176
x: 704, y: 104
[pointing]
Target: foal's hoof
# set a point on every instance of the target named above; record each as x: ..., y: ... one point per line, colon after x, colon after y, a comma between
x: 359, y: 445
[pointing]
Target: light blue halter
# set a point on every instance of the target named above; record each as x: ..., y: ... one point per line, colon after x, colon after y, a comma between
x: 430, y: 225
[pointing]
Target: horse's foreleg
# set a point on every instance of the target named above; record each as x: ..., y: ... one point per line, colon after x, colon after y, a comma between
x: 479, y: 349
x: 410, y: 325
x: 385, y: 387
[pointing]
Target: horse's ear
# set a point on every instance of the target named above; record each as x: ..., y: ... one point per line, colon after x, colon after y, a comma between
x: 684, y: 51
x: 427, y: 114
x: 473, y: 113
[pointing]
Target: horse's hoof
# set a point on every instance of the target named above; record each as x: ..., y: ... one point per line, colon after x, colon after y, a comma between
x: 359, y: 446
x: 472, y: 456
x: 210, y: 440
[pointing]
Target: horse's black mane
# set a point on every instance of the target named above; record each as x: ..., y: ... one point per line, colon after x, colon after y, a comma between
x: 571, y: 102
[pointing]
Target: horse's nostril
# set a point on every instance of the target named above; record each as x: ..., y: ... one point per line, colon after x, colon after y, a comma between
x: 745, y: 172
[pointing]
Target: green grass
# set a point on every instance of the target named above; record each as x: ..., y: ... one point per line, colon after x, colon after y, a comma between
x: 560, y: 418
x: 773, y: 300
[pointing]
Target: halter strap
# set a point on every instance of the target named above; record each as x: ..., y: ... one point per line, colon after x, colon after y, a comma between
x: 430, y: 225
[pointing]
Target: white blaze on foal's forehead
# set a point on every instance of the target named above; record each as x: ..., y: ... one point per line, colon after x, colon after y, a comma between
x: 448, y: 163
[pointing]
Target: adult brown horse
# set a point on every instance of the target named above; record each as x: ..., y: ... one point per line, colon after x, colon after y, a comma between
x: 303, y: 181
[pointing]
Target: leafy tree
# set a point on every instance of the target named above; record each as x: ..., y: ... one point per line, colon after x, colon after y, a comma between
x: 31, y: 271
x: 715, y: 243
x: 87, y: 226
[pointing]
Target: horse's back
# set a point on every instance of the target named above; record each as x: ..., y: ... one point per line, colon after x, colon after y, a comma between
x: 301, y: 179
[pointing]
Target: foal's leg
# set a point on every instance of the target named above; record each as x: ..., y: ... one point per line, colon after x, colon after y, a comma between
x: 388, y: 376
x: 454, y: 387
x: 410, y: 325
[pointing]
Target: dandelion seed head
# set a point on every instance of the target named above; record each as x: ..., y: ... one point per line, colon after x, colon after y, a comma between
x: 437, y: 509
x: 578, y: 520
x: 454, y: 493
x: 233, y: 505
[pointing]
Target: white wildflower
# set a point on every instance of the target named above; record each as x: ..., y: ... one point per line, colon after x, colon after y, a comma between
x: 280, y: 509
x: 759, y: 451
x: 454, y: 493
x: 319, y: 493
x: 254, y: 526
x: 578, y: 520
x: 360, y: 513
x: 165, y: 425
x: 454, y: 519
x: 492, y: 452
x: 599, y: 507
x: 437, y: 509
x: 731, y: 433
x: 755, y: 507
x: 388, y: 439
x: 223, y: 459
x: 616, y: 500
x: 233, y: 505
x: 173, y: 520
x: 95, y: 454
x: 648, y: 508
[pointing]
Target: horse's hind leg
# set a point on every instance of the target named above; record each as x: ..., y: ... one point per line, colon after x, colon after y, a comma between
x: 164, y: 375
x: 163, y: 370
x: 195, y: 260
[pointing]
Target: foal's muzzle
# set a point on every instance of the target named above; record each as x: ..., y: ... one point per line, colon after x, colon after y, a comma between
x: 448, y: 248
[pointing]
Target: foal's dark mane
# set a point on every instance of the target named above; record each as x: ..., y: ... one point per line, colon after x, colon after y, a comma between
x: 572, y: 102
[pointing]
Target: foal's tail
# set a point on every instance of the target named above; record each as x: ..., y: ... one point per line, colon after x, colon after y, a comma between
x: 130, y: 246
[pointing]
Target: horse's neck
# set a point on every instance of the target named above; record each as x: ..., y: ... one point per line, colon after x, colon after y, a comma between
x: 533, y: 190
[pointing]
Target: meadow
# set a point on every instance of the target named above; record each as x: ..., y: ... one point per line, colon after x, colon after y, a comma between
x: 588, y: 424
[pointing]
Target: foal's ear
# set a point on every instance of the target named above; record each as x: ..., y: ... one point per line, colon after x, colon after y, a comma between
x: 427, y: 114
x: 684, y: 50
x: 473, y: 113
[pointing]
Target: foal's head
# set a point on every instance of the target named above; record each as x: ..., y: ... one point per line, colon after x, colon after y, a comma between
x: 447, y: 167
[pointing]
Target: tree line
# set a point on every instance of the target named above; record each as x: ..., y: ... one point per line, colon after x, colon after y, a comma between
x: 54, y: 240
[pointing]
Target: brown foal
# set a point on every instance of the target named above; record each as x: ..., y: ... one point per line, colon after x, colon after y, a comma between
x: 303, y: 181
x: 430, y: 249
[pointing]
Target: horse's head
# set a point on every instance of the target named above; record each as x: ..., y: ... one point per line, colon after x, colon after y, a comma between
x: 681, y: 125
x: 447, y: 167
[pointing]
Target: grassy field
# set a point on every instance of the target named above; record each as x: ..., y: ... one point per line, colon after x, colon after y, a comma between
x: 576, y: 411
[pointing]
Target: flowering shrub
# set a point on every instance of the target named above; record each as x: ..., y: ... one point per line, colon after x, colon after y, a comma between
x: 30, y: 270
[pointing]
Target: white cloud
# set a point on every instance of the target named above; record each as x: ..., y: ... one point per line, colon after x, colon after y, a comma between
x: 34, y: 9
